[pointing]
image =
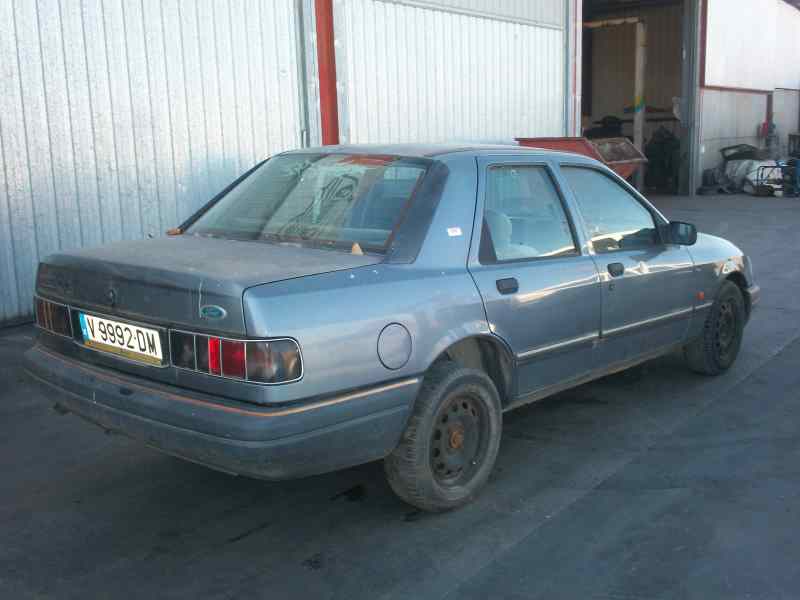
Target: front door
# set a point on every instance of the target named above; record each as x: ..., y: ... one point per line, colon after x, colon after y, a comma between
x: 541, y: 293
x: 648, y: 290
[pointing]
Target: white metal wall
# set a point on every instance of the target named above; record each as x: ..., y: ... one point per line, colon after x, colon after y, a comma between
x: 786, y: 114
x: 118, y: 119
x: 418, y: 71
x: 541, y: 12
x: 728, y: 118
x: 753, y: 44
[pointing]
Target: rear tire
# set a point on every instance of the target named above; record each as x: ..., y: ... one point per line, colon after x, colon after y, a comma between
x: 451, y: 441
x: 717, y: 348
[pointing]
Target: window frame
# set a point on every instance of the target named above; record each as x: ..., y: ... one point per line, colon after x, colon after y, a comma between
x: 551, y: 175
x: 659, y: 221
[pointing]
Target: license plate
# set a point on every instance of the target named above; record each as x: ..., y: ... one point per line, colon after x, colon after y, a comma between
x: 131, y: 341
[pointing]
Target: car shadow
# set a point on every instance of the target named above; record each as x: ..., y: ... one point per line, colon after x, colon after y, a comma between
x: 124, y: 511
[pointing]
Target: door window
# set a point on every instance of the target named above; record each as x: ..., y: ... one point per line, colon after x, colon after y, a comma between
x: 614, y: 218
x: 523, y: 216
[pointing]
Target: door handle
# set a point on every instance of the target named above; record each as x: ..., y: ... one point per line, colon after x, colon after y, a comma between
x: 616, y: 269
x: 510, y: 285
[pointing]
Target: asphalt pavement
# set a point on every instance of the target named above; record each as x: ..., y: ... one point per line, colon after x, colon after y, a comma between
x: 653, y: 484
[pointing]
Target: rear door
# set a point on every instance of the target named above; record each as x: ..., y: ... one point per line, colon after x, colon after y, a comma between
x: 541, y: 292
x: 648, y: 290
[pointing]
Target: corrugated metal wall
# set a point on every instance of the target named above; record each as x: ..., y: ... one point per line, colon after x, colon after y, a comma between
x: 118, y: 119
x: 547, y: 12
x: 728, y: 118
x: 753, y: 44
x: 420, y: 72
x: 786, y: 111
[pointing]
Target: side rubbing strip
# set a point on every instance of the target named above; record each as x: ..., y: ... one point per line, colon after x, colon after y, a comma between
x: 652, y: 320
x: 558, y: 345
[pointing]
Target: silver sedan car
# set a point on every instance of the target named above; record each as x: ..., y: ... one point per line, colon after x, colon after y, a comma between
x: 340, y: 305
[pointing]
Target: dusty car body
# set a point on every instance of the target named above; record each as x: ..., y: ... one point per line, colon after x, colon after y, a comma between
x: 503, y: 262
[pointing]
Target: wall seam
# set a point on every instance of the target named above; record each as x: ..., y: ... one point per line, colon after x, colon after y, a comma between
x: 133, y: 120
x: 152, y: 116
x: 27, y: 146
x: 49, y: 127
x: 94, y: 134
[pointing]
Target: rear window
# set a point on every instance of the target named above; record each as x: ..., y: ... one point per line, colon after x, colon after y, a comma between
x: 342, y: 201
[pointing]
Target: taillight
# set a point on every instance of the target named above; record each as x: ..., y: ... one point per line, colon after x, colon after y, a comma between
x: 263, y: 361
x: 53, y: 317
x: 273, y: 362
x: 201, y: 347
x: 233, y: 361
x: 183, y: 353
x: 214, y: 366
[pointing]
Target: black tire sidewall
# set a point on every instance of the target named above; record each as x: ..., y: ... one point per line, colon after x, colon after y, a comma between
x: 475, y: 385
x: 729, y: 291
x: 445, y: 381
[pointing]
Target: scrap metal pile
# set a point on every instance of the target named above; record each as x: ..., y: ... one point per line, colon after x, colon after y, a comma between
x: 749, y: 169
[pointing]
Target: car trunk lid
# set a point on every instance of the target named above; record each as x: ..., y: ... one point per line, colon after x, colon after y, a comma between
x: 181, y: 281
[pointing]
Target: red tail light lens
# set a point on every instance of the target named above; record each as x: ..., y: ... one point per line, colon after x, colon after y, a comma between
x: 233, y: 361
x: 214, y: 363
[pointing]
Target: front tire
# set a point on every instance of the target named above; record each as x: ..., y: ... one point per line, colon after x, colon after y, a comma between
x: 717, y: 348
x: 451, y: 441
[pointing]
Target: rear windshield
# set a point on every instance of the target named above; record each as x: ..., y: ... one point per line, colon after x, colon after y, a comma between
x: 342, y: 201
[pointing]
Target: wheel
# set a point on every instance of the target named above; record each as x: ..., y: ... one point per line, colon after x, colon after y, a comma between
x: 717, y: 348
x: 450, y: 443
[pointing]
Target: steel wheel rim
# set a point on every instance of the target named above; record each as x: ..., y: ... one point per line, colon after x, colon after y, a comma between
x: 458, y: 440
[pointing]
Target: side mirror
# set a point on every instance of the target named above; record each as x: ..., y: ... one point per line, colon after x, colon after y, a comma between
x: 684, y: 234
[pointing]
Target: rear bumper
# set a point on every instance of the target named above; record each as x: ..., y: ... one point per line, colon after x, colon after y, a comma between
x: 317, y: 436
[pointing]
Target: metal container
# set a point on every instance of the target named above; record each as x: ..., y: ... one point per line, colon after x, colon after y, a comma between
x: 619, y: 154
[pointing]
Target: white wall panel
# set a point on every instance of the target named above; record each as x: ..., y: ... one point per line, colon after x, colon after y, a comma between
x: 786, y: 111
x: 118, y: 119
x: 752, y: 44
x: 729, y: 118
x: 410, y: 73
x: 543, y: 12
x: 784, y: 66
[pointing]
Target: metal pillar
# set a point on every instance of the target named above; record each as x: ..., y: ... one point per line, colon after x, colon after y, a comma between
x: 326, y: 59
x: 639, y: 102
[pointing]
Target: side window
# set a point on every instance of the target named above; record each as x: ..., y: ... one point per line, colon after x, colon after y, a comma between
x: 523, y: 216
x: 615, y: 219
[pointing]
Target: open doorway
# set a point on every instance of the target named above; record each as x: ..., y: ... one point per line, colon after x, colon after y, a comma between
x: 632, y: 64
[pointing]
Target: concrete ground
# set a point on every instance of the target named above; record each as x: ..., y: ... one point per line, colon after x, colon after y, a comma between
x: 669, y: 485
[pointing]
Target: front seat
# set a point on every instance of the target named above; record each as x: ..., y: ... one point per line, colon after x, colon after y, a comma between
x: 500, y: 228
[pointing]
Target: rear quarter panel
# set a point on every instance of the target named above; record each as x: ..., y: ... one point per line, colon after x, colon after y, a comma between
x: 338, y: 317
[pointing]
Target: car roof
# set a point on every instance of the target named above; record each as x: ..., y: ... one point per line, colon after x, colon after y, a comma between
x: 430, y: 150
